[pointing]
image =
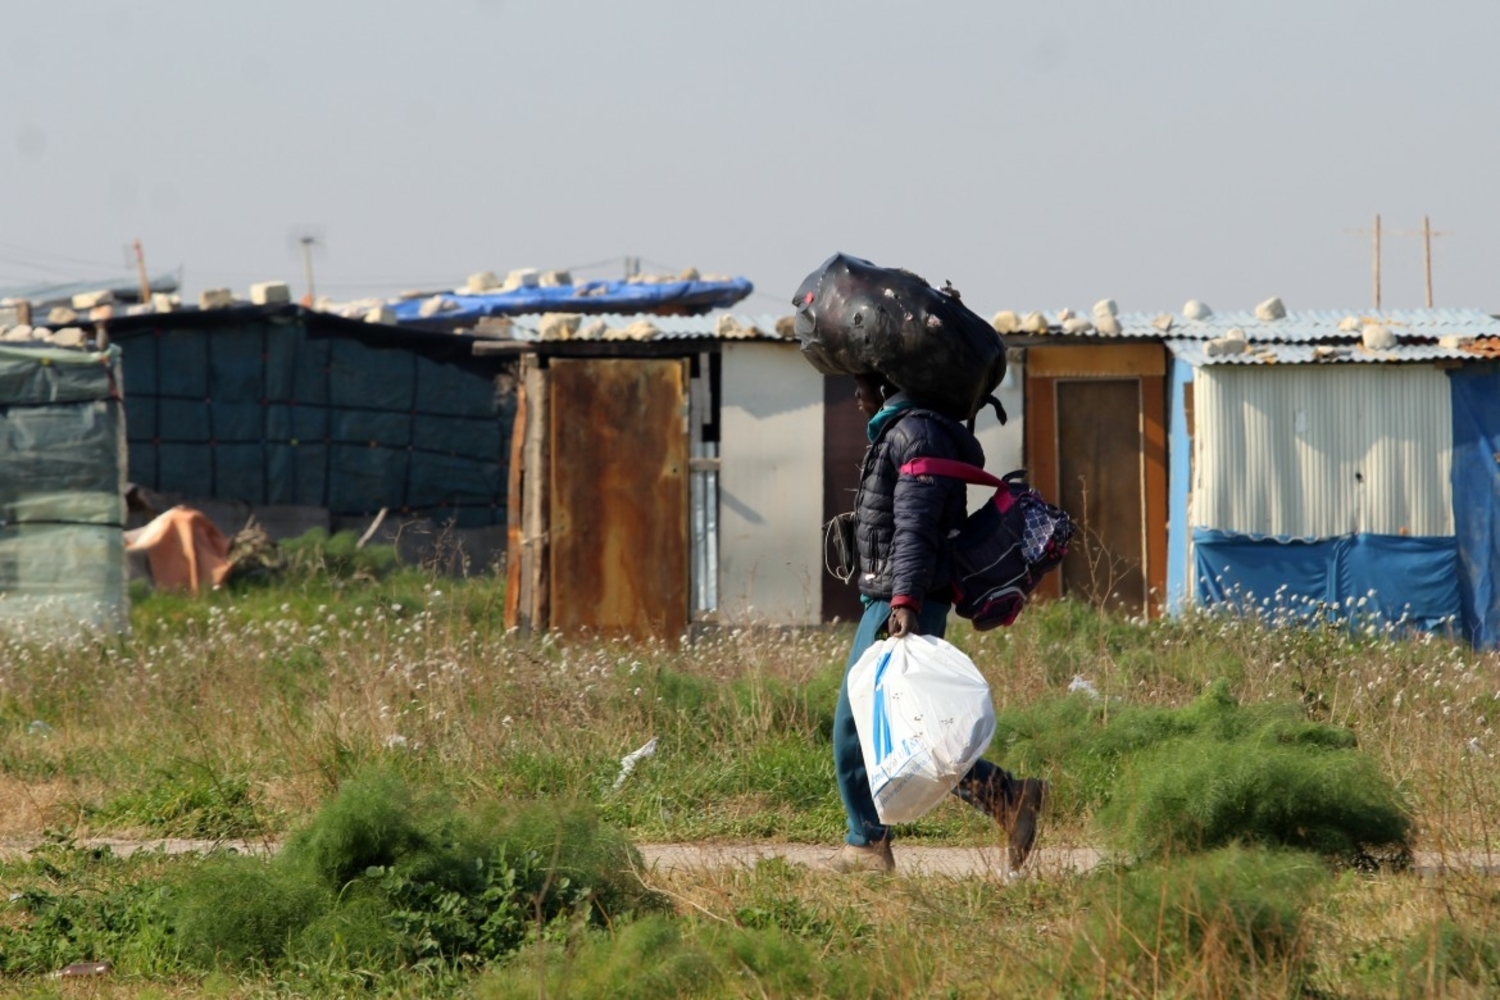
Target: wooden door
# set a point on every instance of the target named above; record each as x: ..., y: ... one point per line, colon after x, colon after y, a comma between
x: 844, y: 444
x: 1100, y: 483
x: 1096, y: 443
x: 618, y: 504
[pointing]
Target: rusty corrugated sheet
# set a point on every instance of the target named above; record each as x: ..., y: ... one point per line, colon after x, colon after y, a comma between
x: 618, y: 553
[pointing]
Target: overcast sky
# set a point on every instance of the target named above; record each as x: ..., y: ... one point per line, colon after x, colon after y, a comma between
x: 1037, y: 155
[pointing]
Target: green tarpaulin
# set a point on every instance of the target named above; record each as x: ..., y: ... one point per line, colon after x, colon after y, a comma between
x: 62, y: 487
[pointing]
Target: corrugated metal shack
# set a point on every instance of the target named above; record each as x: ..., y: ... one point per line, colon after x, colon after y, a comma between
x: 679, y: 471
x: 307, y: 419
x: 1311, y: 461
x: 62, y: 479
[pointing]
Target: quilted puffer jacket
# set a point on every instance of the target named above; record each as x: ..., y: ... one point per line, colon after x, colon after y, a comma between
x: 903, y: 523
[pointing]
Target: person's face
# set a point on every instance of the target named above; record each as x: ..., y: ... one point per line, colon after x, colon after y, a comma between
x: 867, y: 395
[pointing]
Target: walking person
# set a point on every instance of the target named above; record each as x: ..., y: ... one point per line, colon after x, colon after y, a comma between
x: 903, y: 524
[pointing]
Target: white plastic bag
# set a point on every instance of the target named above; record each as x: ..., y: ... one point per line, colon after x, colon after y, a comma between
x: 924, y: 716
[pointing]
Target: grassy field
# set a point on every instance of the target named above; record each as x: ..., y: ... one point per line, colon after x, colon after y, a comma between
x: 447, y: 793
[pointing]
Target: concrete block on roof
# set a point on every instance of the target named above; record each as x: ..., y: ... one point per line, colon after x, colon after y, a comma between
x: 1076, y: 325
x: 521, y: 277
x: 68, y: 336
x: 215, y: 298
x: 1106, y: 307
x: 164, y: 302
x: 1270, y: 310
x: 786, y: 327
x: 381, y: 314
x: 1107, y: 324
x: 481, y: 282
x: 554, y: 279
x: 88, y: 300
x: 1220, y: 346
x: 1034, y: 322
x: 99, y: 313
x: 1377, y: 337
x: 641, y: 329
x: 594, y: 329
x: 436, y: 305
x: 1196, y: 310
x: 270, y: 293
x: 61, y: 316
x: 558, y: 326
x: 17, y: 333
x: 495, y: 328
x: 688, y: 274
x: 728, y: 327
x: 1006, y: 321
x: 15, y: 312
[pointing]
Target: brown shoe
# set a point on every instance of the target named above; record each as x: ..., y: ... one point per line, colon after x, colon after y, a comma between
x: 1020, y: 819
x: 875, y: 857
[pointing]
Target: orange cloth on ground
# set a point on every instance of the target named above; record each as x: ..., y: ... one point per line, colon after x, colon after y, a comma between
x: 184, y: 549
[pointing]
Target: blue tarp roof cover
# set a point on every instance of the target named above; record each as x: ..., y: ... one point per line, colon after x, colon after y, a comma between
x: 690, y: 297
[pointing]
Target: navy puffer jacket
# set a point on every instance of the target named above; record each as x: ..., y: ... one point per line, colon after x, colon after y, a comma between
x: 903, y: 523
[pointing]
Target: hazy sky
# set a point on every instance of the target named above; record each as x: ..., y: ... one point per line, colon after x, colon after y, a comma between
x: 1037, y: 155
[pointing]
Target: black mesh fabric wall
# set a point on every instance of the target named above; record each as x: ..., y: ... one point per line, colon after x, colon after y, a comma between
x: 273, y: 407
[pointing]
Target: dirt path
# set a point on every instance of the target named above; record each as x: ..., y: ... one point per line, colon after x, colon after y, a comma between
x: 911, y: 859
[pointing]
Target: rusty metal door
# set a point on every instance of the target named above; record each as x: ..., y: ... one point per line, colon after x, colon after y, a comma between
x: 619, y: 499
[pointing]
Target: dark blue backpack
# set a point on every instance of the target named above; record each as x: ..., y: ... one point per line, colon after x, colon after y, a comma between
x: 1004, y: 548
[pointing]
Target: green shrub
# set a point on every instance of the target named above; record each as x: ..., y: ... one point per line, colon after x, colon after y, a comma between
x: 1213, y: 915
x: 235, y: 910
x: 1197, y: 794
x: 372, y: 822
x: 316, y: 552
x: 382, y: 879
x: 1208, y: 774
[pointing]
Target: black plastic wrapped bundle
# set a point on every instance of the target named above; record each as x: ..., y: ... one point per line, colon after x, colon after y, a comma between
x: 854, y: 318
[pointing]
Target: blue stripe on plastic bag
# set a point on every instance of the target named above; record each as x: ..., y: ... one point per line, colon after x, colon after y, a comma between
x: 881, y: 726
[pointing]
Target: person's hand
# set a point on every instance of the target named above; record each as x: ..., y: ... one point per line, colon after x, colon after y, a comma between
x: 903, y: 621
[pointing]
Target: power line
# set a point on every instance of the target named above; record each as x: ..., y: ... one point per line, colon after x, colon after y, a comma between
x: 30, y: 254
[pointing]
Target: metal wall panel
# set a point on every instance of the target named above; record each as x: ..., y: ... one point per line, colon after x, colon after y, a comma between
x: 1315, y: 452
x: 770, y: 485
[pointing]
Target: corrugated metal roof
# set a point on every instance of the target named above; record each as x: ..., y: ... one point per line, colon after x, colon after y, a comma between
x: 1195, y: 353
x: 761, y: 327
x: 1306, y: 326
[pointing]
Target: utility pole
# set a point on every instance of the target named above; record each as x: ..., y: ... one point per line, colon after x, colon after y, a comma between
x: 1427, y: 234
x: 307, y: 245
x: 140, y: 265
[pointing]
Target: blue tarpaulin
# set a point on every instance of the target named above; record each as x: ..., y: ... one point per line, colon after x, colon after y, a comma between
x: 1476, y: 498
x: 1365, y: 578
x: 624, y: 297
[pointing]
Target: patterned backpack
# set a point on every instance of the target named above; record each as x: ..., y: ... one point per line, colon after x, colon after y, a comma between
x: 1004, y: 548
